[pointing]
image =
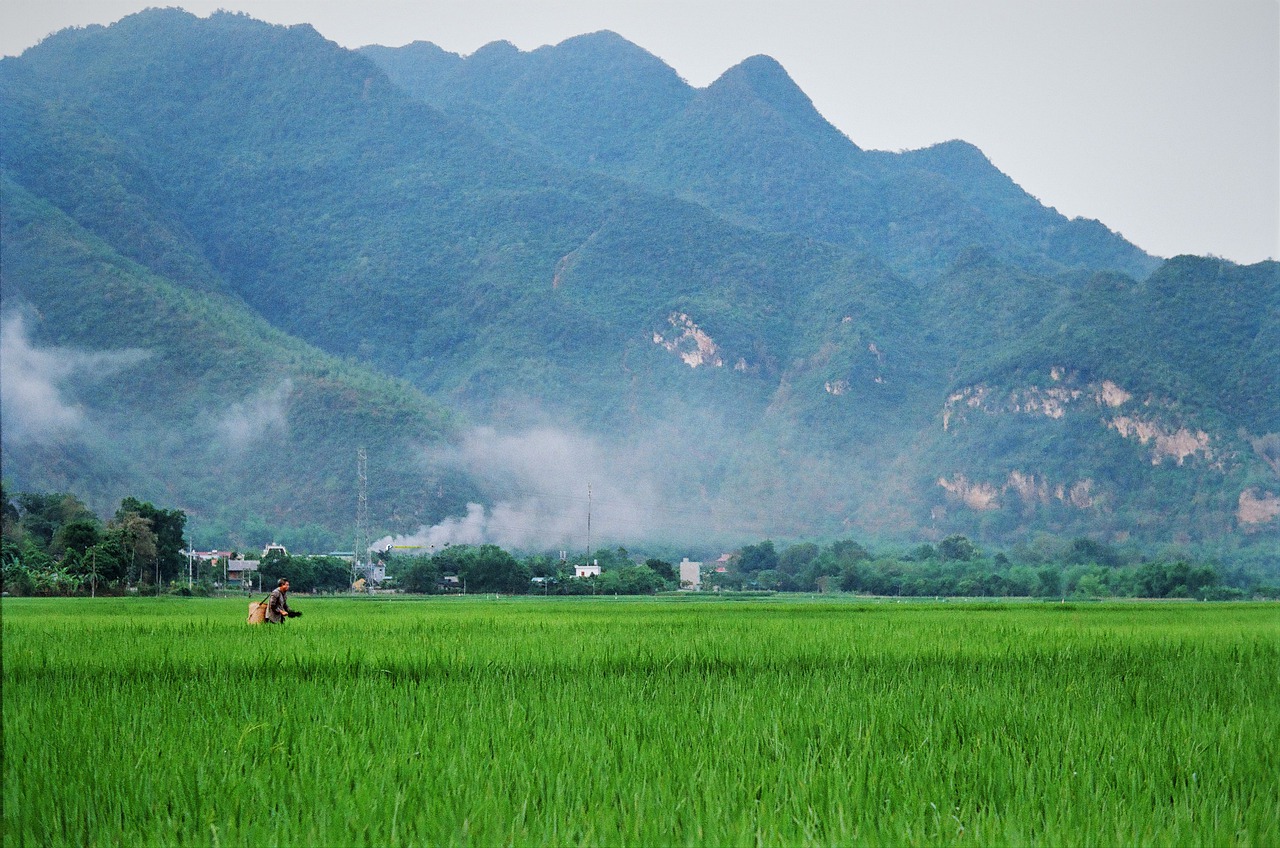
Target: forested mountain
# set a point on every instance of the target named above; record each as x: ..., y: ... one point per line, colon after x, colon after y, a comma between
x: 751, y: 146
x: 117, y: 380
x: 742, y: 321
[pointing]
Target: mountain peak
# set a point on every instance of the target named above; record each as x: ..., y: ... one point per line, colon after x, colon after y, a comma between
x: 763, y: 80
x: 602, y: 39
x: 761, y: 66
x: 606, y: 52
x: 767, y: 79
x: 419, y: 47
x: 502, y: 48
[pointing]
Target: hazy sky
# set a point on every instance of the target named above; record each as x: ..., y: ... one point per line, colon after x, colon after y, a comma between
x: 1161, y: 118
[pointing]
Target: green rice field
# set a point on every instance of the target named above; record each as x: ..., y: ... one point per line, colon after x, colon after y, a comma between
x: 658, y: 721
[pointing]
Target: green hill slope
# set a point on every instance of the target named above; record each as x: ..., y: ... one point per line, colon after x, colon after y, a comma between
x: 717, y: 300
x: 118, y: 382
x: 752, y: 146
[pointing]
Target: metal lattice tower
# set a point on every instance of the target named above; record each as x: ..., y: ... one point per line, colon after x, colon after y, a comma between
x: 361, y: 553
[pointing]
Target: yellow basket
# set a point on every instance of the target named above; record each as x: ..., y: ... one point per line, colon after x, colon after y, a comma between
x: 257, y: 612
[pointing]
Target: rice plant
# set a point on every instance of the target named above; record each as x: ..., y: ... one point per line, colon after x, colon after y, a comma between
x: 637, y: 722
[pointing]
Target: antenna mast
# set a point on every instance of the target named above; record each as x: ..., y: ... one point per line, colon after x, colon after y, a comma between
x: 588, y: 524
x: 361, y: 552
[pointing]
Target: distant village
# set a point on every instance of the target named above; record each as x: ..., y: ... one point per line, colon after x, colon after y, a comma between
x: 240, y: 572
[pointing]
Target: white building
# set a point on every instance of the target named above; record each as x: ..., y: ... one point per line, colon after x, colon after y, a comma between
x: 591, y: 570
x: 690, y: 575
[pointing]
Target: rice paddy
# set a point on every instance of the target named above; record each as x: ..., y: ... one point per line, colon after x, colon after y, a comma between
x: 601, y: 721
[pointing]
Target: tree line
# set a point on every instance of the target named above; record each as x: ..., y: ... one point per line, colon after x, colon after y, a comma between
x: 957, y: 567
x: 53, y: 544
x: 489, y: 568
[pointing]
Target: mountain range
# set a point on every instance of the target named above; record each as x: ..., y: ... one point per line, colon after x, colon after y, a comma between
x: 561, y: 283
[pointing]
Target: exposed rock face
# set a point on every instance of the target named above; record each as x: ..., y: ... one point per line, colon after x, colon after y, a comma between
x: 972, y: 397
x: 977, y: 496
x: 1080, y: 495
x: 1267, y: 447
x: 1109, y: 394
x: 1143, y: 422
x: 1257, y: 507
x: 689, y: 342
x: 1051, y: 401
x: 1165, y: 432
x: 1029, y: 487
x: 1166, y: 442
x: 1039, y: 490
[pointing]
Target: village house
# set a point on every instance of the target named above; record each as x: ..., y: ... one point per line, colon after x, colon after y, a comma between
x: 237, y: 572
x: 690, y: 575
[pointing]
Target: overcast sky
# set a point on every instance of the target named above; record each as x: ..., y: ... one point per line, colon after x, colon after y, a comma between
x: 1161, y: 118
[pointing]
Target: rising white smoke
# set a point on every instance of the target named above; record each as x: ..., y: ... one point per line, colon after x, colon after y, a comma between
x: 506, y: 524
x: 547, y: 486
x: 696, y: 481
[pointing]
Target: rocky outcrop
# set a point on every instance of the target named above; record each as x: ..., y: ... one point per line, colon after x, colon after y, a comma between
x: 1029, y: 487
x: 1166, y: 442
x: 1257, y: 507
x: 1147, y: 421
x: 688, y: 341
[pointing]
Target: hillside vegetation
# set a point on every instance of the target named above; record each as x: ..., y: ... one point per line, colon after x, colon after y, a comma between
x: 117, y: 380
x: 734, y: 314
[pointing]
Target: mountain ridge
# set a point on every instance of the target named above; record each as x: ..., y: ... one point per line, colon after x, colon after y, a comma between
x: 816, y: 182
x: 805, y: 322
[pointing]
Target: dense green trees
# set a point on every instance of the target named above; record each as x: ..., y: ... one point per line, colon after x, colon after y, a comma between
x: 957, y: 547
x: 166, y: 527
x: 53, y: 544
x: 956, y: 567
x: 489, y: 568
x: 1080, y: 568
x: 305, y: 573
x: 663, y: 569
x: 465, y: 568
x: 44, y: 516
x: 756, y: 558
x: 419, y: 575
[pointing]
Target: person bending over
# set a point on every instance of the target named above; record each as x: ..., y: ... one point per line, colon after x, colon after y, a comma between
x: 278, y: 603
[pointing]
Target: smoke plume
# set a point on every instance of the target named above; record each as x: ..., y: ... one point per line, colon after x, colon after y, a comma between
x: 552, y: 488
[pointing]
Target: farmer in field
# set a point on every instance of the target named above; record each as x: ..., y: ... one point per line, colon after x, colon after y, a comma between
x: 278, y: 604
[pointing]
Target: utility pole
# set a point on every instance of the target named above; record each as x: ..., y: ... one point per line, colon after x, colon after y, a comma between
x: 588, y: 524
x: 362, y: 514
